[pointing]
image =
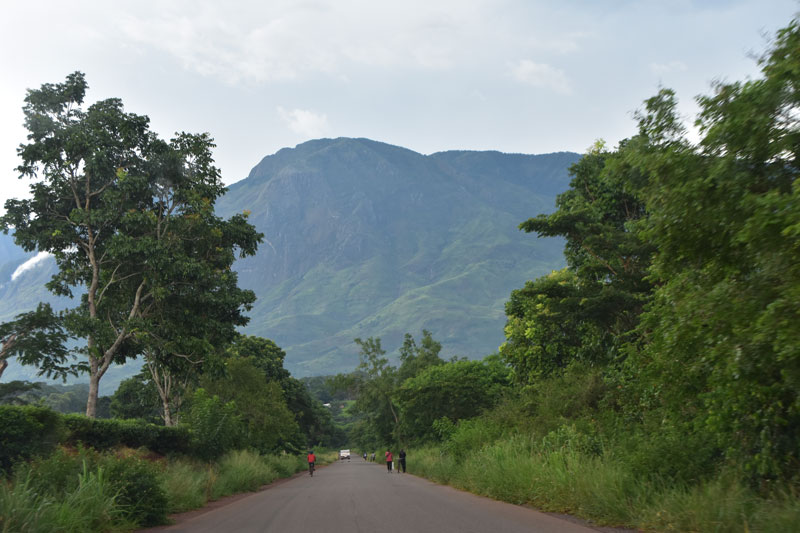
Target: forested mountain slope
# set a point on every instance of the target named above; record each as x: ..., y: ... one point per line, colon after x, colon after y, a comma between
x: 367, y: 239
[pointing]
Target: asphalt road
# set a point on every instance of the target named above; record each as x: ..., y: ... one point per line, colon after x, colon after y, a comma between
x: 359, y: 496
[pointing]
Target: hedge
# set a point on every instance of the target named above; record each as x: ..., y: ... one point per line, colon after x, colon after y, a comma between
x: 103, y: 434
x: 27, y: 431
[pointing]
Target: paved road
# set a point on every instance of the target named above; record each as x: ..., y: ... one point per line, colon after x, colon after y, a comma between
x: 358, y: 496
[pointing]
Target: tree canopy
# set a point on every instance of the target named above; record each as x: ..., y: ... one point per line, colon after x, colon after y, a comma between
x: 129, y: 218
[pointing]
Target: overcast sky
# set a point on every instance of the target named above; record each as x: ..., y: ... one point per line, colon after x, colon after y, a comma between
x: 524, y: 76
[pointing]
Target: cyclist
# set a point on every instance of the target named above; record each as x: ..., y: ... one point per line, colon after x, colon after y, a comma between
x: 311, y: 460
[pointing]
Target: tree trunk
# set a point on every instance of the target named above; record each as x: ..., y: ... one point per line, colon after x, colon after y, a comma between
x: 3, y: 366
x: 167, y: 413
x: 94, y: 387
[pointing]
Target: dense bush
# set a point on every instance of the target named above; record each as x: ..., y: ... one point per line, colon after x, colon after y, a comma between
x: 105, y: 434
x: 131, y: 482
x: 216, y: 428
x: 27, y: 431
x: 139, y: 490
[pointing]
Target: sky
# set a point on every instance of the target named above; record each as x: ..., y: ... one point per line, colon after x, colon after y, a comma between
x: 521, y: 76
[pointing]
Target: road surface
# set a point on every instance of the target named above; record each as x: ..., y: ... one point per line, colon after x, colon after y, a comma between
x: 359, y: 496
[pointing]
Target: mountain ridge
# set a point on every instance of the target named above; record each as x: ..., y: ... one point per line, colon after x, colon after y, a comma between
x: 364, y: 238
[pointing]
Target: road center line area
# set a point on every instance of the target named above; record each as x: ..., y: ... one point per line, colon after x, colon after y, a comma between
x: 359, y: 496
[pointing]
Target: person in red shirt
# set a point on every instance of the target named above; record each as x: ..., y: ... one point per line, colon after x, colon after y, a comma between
x: 389, y: 461
x: 311, y: 460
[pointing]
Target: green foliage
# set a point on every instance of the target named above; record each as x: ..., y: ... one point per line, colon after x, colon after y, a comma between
x: 37, y: 338
x: 12, y: 393
x: 106, y: 434
x: 130, y: 220
x: 136, y: 397
x: 314, y: 421
x: 133, y: 483
x: 187, y: 485
x: 414, y: 359
x: 241, y: 471
x: 27, y: 431
x: 216, y: 426
x: 267, y: 422
x: 90, y: 507
x: 587, y: 311
x: 139, y: 490
x: 374, y: 383
x: 456, y: 390
x: 724, y: 346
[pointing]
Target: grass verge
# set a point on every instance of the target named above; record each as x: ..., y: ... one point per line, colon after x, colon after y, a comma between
x: 600, y: 488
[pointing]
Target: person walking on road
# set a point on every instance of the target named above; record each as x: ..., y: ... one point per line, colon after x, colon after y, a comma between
x: 402, y: 456
x: 372, y: 458
x: 311, y: 460
x: 389, y: 461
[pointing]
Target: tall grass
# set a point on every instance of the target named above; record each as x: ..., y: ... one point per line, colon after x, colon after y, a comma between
x: 89, y: 508
x: 242, y: 471
x: 72, y: 491
x: 190, y: 484
x: 521, y: 469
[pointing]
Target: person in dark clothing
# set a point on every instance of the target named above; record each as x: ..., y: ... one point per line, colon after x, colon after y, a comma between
x: 402, y: 457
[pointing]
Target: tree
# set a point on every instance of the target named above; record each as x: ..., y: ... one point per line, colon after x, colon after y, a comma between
x: 725, y: 346
x: 456, y: 390
x: 414, y: 359
x: 270, y: 425
x: 136, y: 397
x: 588, y: 311
x: 113, y: 203
x: 36, y: 338
x: 372, y: 384
x: 314, y: 421
x: 544, y: 331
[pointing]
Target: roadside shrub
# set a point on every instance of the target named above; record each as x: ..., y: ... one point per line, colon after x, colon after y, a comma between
x: 469, y: 436
x: 138, y: 487
x: 215, y: 426
x: 668, y: 453
x: 27, y: 432
x: 58, y: 473
x: 100, y: 434
x: 135, y: 483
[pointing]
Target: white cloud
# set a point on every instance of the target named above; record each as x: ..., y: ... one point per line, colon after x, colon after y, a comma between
x: 284, y: 40
x: 304, y: 122
x: 660, y: 69
x: 30, y: 264
x: 541, y: 75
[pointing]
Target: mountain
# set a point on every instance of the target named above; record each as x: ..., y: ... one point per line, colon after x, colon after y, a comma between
x: 365, y: 239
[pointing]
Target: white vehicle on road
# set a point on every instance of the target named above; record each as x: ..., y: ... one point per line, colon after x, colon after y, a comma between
x: 344, y: 454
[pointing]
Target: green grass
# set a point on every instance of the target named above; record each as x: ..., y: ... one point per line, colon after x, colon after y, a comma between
x: 242, y: 471
x: 188, y: 484
x: 89, y: 508
x: 603, y: 489
x: 47, y: 496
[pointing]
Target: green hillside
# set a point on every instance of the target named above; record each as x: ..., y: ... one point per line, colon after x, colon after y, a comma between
x: 367, y: 239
